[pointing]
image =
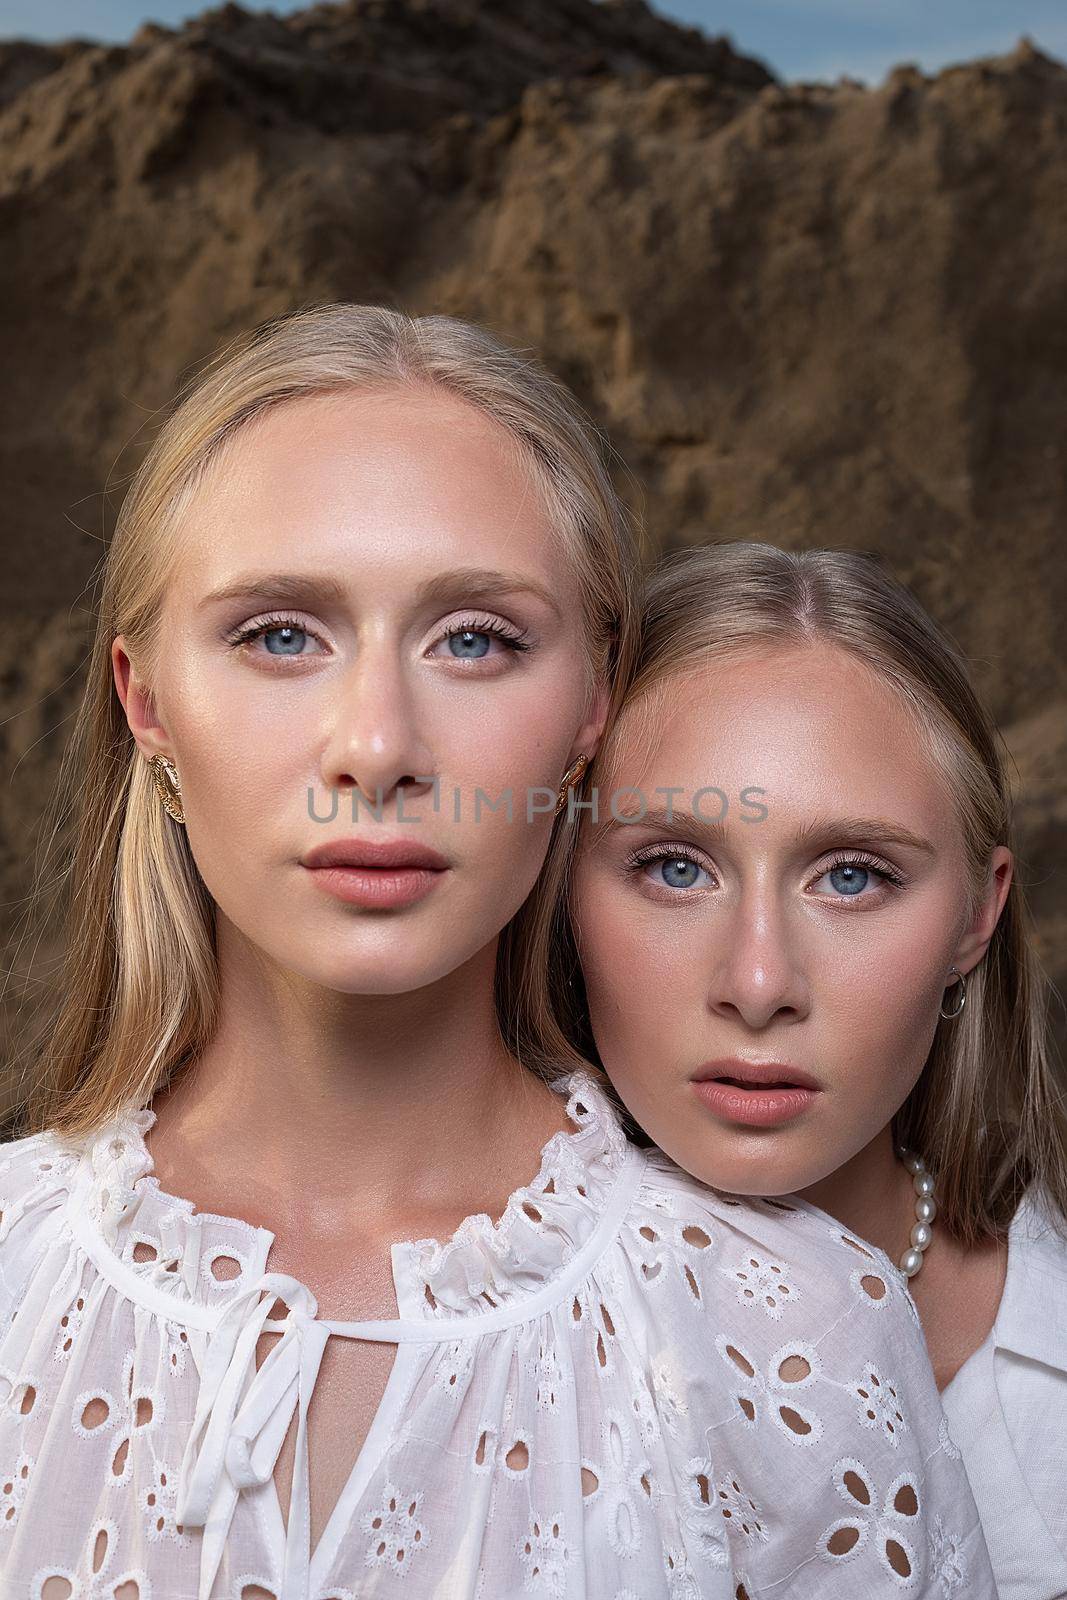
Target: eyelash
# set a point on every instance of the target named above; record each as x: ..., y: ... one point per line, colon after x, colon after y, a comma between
x: 515, y: 640
x: 856, y: 858
x: 251, y: 631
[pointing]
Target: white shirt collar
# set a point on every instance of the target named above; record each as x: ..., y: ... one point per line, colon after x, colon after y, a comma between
x: 1032, y: 1317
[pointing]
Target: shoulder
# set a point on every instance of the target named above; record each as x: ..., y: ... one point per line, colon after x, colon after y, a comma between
x: 37, y: 1159
x: 37, y: 1171
x: 37, y: 1174
x: 769, y: 1253
x: 787, y: 1364
x: 745, y: 1293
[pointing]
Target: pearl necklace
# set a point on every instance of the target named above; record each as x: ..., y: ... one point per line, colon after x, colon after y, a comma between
x: 925, y: 1212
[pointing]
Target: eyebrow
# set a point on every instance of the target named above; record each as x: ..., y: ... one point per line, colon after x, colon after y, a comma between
x: 305, y: 588
x: 823, y: 832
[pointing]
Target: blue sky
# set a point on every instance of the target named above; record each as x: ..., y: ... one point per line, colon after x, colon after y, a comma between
x: 797, y: 38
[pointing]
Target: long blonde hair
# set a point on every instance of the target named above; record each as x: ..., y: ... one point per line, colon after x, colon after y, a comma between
x: 138, y: 993
x: 987, y: 1111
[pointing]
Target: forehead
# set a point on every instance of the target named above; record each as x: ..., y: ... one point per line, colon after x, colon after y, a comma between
x: 812, y: 727
x: 382, y: 477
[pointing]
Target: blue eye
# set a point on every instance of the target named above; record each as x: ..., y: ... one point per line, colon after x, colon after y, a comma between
x: 850, y: 876
x: 296, y: 635
x: 474, y: 642
x: 677, y: 869
x: 679, y: 872
x: 288, y: 629
x: 470, y: 639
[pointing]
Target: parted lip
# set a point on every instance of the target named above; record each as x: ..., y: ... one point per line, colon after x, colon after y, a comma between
x: 382, y: 853
x: 758, y: 1074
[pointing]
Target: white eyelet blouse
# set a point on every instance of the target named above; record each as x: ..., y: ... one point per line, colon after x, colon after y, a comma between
x: 631, y: 1387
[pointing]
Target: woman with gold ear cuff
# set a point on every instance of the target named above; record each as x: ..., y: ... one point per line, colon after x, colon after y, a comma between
x: 370, y: 605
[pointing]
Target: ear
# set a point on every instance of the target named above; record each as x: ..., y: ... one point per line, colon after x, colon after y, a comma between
x: 138, y: 703
x: 589, y: 734
x: 975, y: 941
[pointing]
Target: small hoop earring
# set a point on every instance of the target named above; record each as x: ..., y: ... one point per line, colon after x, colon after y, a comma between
x: 166, y: 776
x: 573, y: 775
x: 962, y: 981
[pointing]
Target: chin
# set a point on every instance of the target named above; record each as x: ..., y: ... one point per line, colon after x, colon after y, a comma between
x: 758, y: 1172
x: 752, y: 1184
x: 387, y: 969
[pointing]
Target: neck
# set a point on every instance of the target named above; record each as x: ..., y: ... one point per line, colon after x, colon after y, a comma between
x: 387, y: 1107
x: 872, y: 1193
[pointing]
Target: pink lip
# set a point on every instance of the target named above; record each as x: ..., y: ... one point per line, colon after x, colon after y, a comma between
x: 377, y: 887
x: 756, y: 1108
x: 383, y: 875
x: 760, y: 1074
x: 385, y: 853
x: 762, y: 1094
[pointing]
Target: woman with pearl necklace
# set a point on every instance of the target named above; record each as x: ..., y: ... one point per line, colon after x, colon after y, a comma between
x: 814, y: 974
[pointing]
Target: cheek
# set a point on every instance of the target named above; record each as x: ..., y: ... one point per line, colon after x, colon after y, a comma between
x: 527, y: 729
x: 220, y: 697
x: 521, y: 751
x: 243, y: 760
x: 632, y: 970
x: 242, y: 789
x: 236, y: 747
x: 878, y: 1004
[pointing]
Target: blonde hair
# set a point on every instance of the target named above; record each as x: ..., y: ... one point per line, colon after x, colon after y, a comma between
x: 138, y: 991
x: 987, y: 1111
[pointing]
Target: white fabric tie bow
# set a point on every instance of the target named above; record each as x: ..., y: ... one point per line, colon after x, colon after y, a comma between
x: 242, y: 1416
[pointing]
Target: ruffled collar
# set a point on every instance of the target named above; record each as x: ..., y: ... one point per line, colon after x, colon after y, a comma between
x: 486, y: 1264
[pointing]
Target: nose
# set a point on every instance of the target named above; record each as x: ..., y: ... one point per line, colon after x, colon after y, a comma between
x: 375, y: 740
x: 756, y: 976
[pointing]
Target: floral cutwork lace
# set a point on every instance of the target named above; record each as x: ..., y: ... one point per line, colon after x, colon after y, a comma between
x: 887, y: 1525
x: 783, y: 1390
x: 545, y: 1556
x: 98, y: 1575
x: 630, y: 1387
x: 397, y: 1536
x: 763, y: 1283
x: 879, y: 1404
